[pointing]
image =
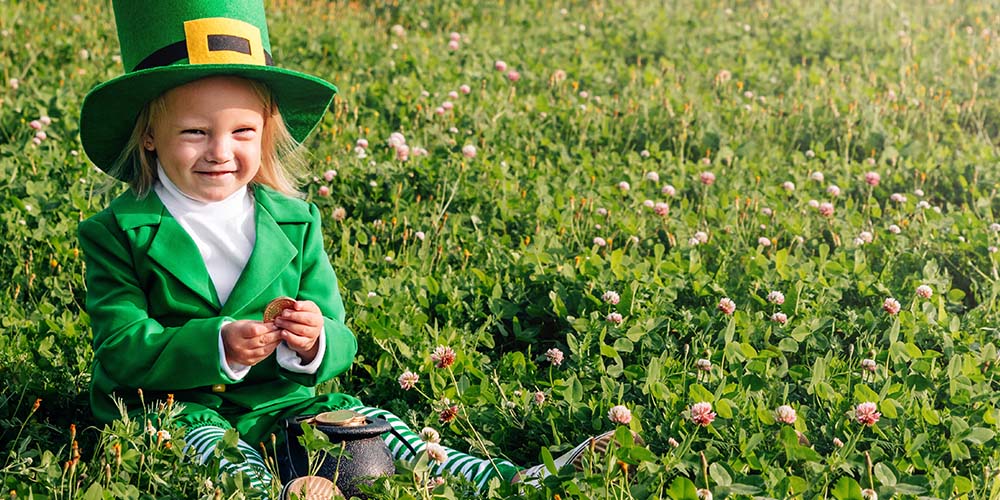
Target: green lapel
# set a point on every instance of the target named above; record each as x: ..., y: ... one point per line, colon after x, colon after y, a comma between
x: 171, y: 247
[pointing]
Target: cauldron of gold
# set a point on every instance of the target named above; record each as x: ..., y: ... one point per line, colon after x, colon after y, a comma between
x: 365, y: 455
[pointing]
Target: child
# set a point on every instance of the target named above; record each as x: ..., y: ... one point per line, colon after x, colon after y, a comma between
x: 181, y: 267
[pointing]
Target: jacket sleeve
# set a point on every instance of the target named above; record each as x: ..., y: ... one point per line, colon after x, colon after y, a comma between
x: 131, y: 348
x: 319, y: 284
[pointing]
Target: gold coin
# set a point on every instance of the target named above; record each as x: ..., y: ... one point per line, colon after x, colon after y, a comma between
x: 340, y: 418
x: 274, y: 308
x: 311, y: 488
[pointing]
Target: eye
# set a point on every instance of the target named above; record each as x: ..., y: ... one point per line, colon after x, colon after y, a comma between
x: 192, y: 131
x: 245, y: 130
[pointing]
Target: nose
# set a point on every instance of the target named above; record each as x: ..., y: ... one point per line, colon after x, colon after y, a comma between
x: 220, y: 150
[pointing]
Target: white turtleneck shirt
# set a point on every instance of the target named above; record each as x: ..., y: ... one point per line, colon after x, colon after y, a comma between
x: 224, y: 232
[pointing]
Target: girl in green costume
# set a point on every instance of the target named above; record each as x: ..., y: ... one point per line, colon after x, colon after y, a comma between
x: 181, y: 266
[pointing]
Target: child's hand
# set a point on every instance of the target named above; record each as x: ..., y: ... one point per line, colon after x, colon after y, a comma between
x: 300, y: 328
x: 249, y: 342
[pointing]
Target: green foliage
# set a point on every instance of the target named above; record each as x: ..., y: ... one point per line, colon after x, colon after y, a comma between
x: 498, y: 256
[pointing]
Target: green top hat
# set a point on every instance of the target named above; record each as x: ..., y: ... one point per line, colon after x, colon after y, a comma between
x: 167, y: 43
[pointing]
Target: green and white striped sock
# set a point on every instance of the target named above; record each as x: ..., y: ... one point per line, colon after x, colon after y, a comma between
x: 477, y: 470
x: 204, y: 439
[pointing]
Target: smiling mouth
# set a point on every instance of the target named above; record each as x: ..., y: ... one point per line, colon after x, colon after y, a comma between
x: 216, y: 174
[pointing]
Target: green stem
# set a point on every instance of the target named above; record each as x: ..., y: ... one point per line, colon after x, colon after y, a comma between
x: 704, y: 468
x: 868, y: 466
x: 472, y: 428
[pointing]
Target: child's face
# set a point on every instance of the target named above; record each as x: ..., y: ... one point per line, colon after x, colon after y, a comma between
x: 209, y: 138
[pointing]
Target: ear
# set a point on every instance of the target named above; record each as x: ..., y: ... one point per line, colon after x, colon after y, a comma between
x: 147, y: 142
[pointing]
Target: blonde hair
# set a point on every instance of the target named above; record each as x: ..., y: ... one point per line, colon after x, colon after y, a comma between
x: 282, y: 162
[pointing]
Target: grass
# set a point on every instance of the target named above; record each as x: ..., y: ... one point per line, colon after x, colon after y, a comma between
x: 509, y: 265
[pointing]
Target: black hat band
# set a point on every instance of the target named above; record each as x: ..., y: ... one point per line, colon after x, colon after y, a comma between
x: 212, y: 41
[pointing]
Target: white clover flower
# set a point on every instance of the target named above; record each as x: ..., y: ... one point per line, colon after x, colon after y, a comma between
x: 620, y: 414
x: 891, y: 306
x: 396, y: 139
x: 436, y: 452
x: 555, y: 356
x: 727, y: 306
x: 786, y: 414
x: 429, y: 435
x: 869, y: 365
x: 408, y: 380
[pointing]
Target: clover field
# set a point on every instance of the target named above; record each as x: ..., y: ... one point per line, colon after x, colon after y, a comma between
x: 761, y: 235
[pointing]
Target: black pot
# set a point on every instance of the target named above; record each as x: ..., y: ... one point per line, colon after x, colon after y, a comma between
x: 366, y: 454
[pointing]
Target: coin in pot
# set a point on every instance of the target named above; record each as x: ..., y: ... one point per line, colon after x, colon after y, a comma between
x: 340, y: 418
x: 274, y: 308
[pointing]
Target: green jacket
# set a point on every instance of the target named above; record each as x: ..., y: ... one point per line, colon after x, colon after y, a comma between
x: 156, y: 317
